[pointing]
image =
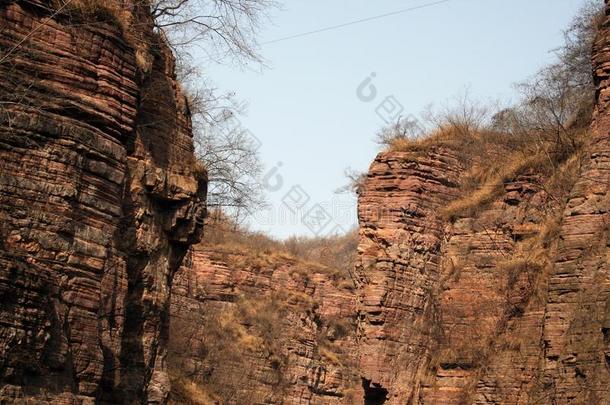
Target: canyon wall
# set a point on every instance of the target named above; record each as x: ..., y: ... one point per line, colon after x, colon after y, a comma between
x: 497, y: 295
x: 255, y: 327
x: 399, y: 265
x: 98, y: 202
x: 576, y: 337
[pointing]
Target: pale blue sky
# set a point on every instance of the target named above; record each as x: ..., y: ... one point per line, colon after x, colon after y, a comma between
x: 304, y: 107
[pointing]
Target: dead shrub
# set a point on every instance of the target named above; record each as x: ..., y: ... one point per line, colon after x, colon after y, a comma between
x: 91, y: 11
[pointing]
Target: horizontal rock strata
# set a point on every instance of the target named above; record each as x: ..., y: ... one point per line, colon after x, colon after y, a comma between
x: 257, y: 328
x: 504, y: 301
x: 98, y: 205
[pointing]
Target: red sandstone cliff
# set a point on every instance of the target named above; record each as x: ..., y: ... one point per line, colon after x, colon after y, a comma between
x: 495, y: 295
x: 498, y: 295
x: 399, y: 265
x: 98, y: 203
x: 471, y: 288
x: 262, y: 328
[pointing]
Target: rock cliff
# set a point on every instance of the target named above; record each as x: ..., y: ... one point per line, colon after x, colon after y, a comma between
x: 251, y: 327
x: 399, y: 265
x: 482, y: 275
x: 493, y: 294
x: 98, y: 202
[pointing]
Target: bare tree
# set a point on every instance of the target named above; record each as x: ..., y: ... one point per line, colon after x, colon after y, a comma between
x: 575, y: 54
x: 231, y: 157
x: 463, y: 115
x: 228, y: 151
x: 559, y: 98
x: 222, y: 28
x: 404, y: 128
x: 225, y: 27
x: 355, y: 182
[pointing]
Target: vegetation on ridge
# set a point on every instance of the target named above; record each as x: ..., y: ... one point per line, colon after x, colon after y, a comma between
x: 261, y: 324
x: 547, y: 128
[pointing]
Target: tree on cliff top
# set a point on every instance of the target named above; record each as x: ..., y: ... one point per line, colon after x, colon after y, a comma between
x: 223, y: 29
x: 559, y: 94
x: 228, y: 28
x: 555, y: 102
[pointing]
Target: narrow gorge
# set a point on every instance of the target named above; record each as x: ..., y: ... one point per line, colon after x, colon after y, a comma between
x: 478, y: 275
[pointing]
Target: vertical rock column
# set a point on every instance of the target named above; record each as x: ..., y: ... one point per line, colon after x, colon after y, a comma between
x: 401, y: 233
x: 98, y: 205
x: 577, y: 321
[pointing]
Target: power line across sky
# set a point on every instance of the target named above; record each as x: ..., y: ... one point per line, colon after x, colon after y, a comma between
x: 219, y: 56
x: 354, y: 22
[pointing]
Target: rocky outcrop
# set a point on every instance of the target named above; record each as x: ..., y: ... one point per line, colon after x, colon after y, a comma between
x: 493, y: 293
x: 576, y: 337
x: 98, y: 203
x: 263, y: 328
x: 503, y: 301
x: 400, y: 239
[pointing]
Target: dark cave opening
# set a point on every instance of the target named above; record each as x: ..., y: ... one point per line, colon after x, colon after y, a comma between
x: 374, y: 394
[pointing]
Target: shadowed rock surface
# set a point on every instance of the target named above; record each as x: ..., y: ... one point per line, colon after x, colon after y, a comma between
x: 98, y: 204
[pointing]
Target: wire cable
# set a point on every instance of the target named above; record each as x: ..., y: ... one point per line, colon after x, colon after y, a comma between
x: 363, y: 20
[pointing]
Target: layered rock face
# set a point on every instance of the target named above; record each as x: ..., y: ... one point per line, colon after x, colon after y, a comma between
x: 576, y: 337
x: 504, y: 303
x: 400, y: 239
x: 98, y: 204
x: 263, y: 329
x: 505, y: 300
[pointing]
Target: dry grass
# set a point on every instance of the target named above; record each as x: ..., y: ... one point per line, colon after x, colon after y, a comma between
x: 265, y: 325
x: 199, y: 170
x: 346, y: 285
x: 187, y: 392
x: 492, y: 158
x: 329, y: 355
x: 254, y: 324
x: 442, y: 136
x: 491, y: 185
x: 333, y: 256
x: 257, y: 326
x: 331, y: 333
x: 524, y: 272
x: 104, y: 11
x: 235, y: 256
x: 230, y: 339
x: 226, y: 341
x: 232, y: 327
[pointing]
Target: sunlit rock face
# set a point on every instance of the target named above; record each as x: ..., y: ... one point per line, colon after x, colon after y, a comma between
x: 263, y: 328
x: 508, y: 304
x: 98, y: 206
x: 576, y: 332
x: 400, y: 266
